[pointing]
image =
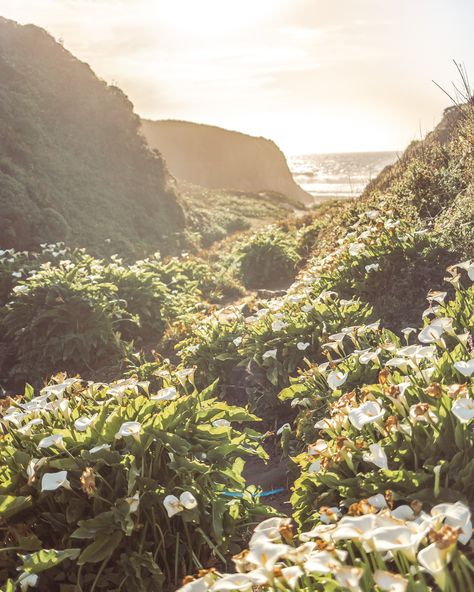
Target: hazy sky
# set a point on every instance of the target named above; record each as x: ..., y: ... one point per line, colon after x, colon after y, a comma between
x: 314, y: 75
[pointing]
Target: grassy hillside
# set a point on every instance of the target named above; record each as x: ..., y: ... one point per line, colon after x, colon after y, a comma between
x: 73, y: 166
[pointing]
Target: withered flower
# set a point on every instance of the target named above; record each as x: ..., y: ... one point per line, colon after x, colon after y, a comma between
x: 391, y: 423
x: 361, y: 508
x: 444, y: 537
x: 434, y: 390
x: 88, y: 485
x: 383, y: 376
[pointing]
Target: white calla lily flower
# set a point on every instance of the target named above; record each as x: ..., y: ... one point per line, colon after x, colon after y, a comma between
x: 129, y: 428
x: 271, y: 353
x: 435, y: 560
x: 84, y: 422
x: 53, y: 481
x: 172, y: 505
x: 221, y: 423
x: 165, y: 394
x: 376, y: 456
x: 368, y: 412
x: 390, y: 582
x: 27, y: 580
x: 302, y: 345
x: 349, y: 577
x: 336, y: 379
x: 291, y: 575
x: 55, y: 440
x: 465, y: 368
x: 99, y: 448
x: 463, y: 409
x: 456, y: 515
x: 265, y: 553
x: 187, y: 500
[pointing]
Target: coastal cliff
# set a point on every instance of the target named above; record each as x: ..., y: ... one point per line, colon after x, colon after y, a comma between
x: 214, y: 157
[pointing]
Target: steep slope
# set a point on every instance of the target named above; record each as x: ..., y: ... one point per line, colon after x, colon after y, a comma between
x: 214, y: 157
x: 73, y: 166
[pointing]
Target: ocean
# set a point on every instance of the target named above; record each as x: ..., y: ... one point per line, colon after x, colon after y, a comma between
x: 342, y: 175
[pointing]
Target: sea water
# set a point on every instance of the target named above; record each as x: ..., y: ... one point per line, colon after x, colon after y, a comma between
x: 342, y: 175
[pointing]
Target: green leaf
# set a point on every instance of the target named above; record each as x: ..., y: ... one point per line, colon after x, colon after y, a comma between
x: 46, y: 559
x: 101, y: 548
x: 11, y: 505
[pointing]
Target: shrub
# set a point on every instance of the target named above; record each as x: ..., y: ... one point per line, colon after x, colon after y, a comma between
x: 268, y: 259
x: 123, y: 485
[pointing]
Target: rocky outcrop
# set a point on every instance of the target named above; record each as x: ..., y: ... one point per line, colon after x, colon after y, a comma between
x: 218, y: 158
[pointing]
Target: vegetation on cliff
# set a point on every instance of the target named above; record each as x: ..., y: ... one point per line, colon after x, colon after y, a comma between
x: 73, y: 165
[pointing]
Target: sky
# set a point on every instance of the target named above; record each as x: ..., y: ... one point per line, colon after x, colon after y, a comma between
x: 313, y: 75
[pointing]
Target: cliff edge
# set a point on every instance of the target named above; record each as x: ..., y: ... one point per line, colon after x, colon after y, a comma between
x: 215, y: 158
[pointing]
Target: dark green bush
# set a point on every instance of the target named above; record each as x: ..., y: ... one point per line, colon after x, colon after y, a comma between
x: 268, y: 259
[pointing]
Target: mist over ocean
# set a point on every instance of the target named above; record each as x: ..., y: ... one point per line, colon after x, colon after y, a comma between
x: 340, y: 175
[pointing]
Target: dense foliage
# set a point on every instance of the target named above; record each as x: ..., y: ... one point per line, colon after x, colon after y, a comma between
x: 65, y: 310
x: 123, y: 486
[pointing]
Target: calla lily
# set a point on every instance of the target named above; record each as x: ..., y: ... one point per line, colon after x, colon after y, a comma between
x: 52, y: 481
x: 456, y: 515
x: 463, y: 409
x: 221, y: 423
x: 27, y: 429
x: 238, y: 582
x: 270, y: 529
x: 188, y: 500
x: 431, y: 334
x: 337, y: 379
x: 367, y: 413
x: 354, y: 527
x: 372, y: 267
x: 302, y: 346
x: 129, y: 428
x: 271, y: 353
x: 27, y: 580
x: 165, y: 394
x: 434, y: 560
x: 278, y: 325
x: 172, y: 505
x: 54, y: 440
x: 291, y: 575
x: 389, y: 582
x: 377, y: 456
x: 465, y: 368
x: 315, y: 467
x: 323, y: 562
x: 396, y: 538
x: 349, y: 577
x: 84, y: 422
x: 99, y: 448
x: 265, y: 553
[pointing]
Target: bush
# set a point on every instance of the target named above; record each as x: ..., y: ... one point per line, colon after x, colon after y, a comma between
x: 268, y: 259
x: 115, y: 487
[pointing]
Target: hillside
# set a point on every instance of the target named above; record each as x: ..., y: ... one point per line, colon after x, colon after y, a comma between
x: 217, y: 158
x: 345, y: 400
x: 73, y: 166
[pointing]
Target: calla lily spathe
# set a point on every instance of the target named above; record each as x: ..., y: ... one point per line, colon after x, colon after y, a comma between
x: 53, y: 481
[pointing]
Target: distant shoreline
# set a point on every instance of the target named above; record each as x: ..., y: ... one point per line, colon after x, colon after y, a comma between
x: 341, y: 175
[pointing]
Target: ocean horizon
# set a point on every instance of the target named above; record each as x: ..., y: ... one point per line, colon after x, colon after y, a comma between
x: 338, y: 175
